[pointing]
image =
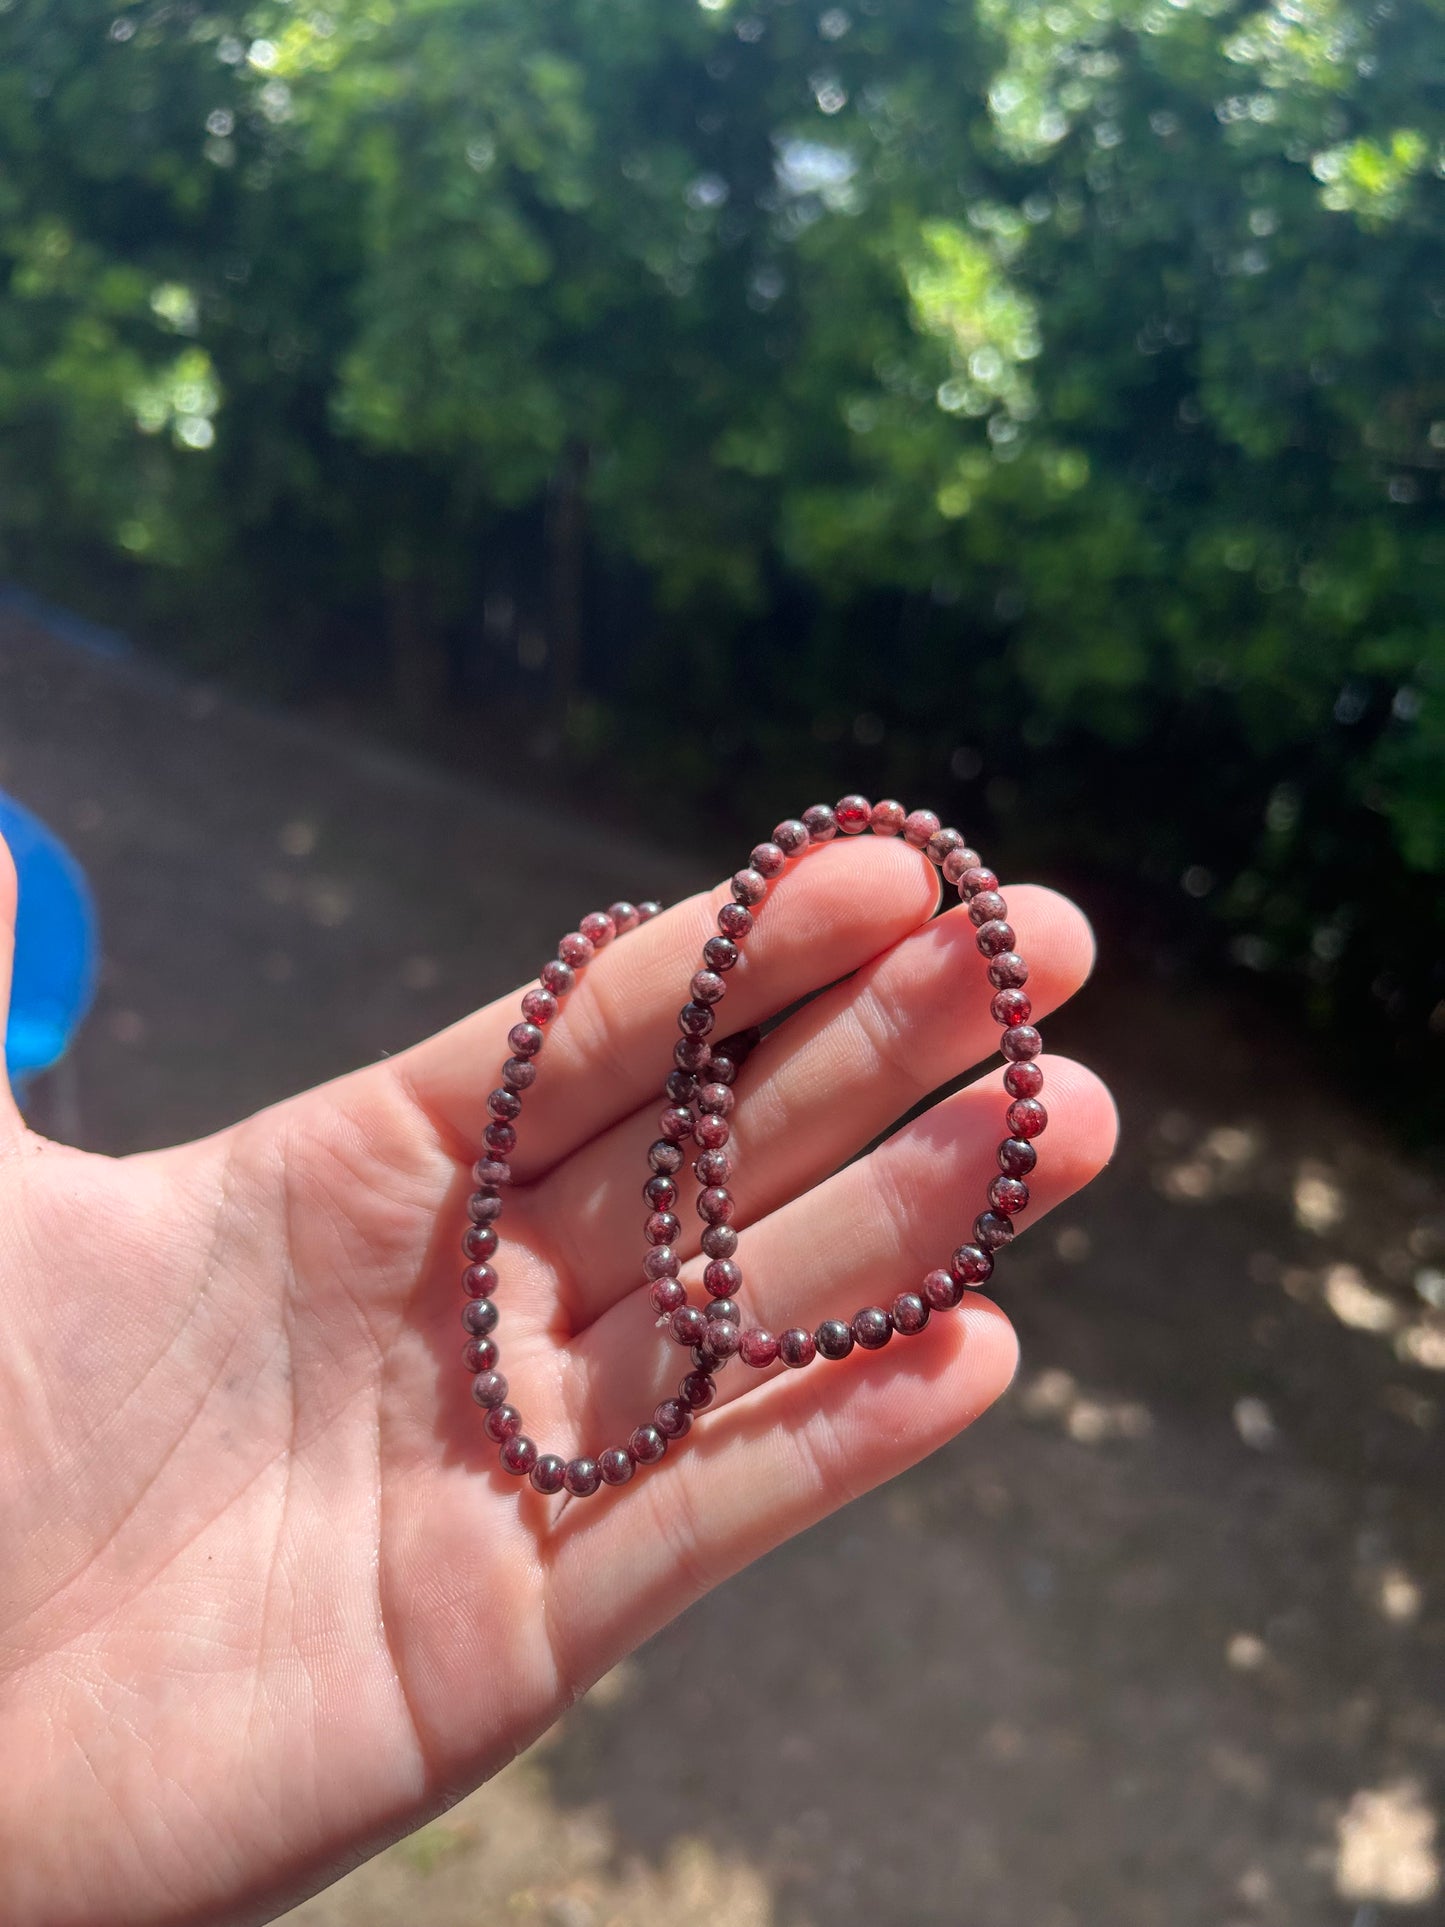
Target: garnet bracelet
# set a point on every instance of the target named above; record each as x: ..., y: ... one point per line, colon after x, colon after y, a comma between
x: 700, y: 1102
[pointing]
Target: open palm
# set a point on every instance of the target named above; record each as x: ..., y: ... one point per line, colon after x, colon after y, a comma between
x: 267, y: 1598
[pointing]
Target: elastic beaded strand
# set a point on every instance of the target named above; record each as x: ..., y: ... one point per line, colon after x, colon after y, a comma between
x: 696, y: 1128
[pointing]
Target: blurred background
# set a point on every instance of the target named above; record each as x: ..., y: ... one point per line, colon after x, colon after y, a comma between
x: 436, y: 440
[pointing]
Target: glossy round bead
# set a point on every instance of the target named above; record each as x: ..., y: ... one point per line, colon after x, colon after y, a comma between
x: 707, y: 987
x: 479, y: 1242
x: 575, y: 950
x: 853, y: 814
x: 1020, y: 1042
x: 479, y: 1317
x: 715, y: 1205
x: 887, y: 819
x: 672, y: 1418
x: 821, y: 823
x: 834, y: 1337
x: 647, y: 1445
x: 667, y: 1296
x: 918, y: 826
x: 748, y: 887
x: 557, y: 977
x: 722, y: 1311
x: 661, y: 1262
x: 659, y: 1193
x: 504, y: 1105
x: 688, y: 1325
x: 720, y: 953
x: 549, y: 1472
x: 724, y: 1067
x: 735, y: 920
x: 1008, y: 970
x: 791, y: 836
x: 492, y: 1170
x: 993, y: 1230
x: 1010, y: 1007
x: 1008, y: 1195
x: 624, y: 917
x: 695, y: 1020
x: 941, y: 1290
x: 681, y: 1086
x: 501, y: 1138
x: 909, y: 1313
x: 797, y: 1348
x: 722, y: 1278
x: 598, y: 929
x: 987, y: 907
x: 719, y: 1241
x: 941, y: 845
x: 675, y: 1123
x: 691, y: 1054
x: 539, y: 1007
x: 647, y: 911
x: 972, y: 1265
x: 489, y: 1388
x: 712, y: 1167
x: 615, y: 1465
x: 723, y: 1337
x: 957, y: 862
x: 524, y: 1040
x: 768, y: 860
x: 518, y: 1456
x: 697, y: 1391
x: 582, y: 1477
x: 1024, y: 1080
x: 758, y: 1348
x: 716, y: 1097
x: 665, y: 1158
x: 479, y: 1281
x: 872, y: 1327
x: 501, y: 1423
x: 662, y: 1228
x: 1016, y: 1157
x: 480, y: 1354
x: 712, y: 1131
x: 1026, y: 1117
x: 483, y: 1207
x: 519, y: 1074
x: 976, y: 881
x: 995, y: 937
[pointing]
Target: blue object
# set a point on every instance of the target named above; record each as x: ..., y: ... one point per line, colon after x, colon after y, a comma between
x: 55, y: 945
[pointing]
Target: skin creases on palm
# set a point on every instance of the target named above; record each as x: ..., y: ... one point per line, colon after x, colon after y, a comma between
x: 268, y: 1599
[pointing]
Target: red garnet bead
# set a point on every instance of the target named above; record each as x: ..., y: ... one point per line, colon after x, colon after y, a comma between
x: 696, y: 1129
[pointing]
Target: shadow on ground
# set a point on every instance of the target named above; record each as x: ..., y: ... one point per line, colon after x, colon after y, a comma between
x: 1159, y: 1642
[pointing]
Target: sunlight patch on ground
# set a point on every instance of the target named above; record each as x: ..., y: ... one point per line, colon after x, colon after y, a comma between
x: 1055, y: 1397
x: 1385, y: 1847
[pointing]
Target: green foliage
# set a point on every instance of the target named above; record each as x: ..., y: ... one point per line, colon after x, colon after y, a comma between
x: 1088, y: 350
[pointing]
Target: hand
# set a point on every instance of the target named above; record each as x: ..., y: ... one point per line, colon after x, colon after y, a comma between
x: 268, y: 1600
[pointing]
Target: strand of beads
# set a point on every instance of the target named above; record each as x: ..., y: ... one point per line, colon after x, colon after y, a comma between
x: 700, y: 1103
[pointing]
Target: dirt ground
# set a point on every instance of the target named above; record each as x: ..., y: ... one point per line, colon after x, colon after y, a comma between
x: 1160, y: 1643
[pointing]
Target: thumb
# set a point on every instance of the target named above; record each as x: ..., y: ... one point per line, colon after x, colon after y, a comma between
x: 10, y: 1121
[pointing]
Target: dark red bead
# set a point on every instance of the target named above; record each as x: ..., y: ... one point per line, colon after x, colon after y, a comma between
x: 676, y: 1123
x: 483, y: 1207
x: 887, y: 819
x: 768, y: 860
x: 909, y: 1313
x: 987, y: 907
x: 972, y: 1265
x: 647, y: 1445
x: 664, y: 1157
x: 695, y: 1020
x: 1026, y: 1117
x: 479, y: 1281
x: 660, y: 1193
x: 719, y: 1241
x: 716, y: 1097
x: 697, y: 1391
x: 615, y: 1465
x: 688, y: 1325
x: 797, y: 1348
x: 479, y: 1242
x: 715, y: 1205
x: 918, y: 826
x: 519, y: 1074
x: 994, y: 938
x: 557, y: 977
x: 681, y: 1086
x: 853, y: 814
x: 491, y: 1171
x: 549, y: 1472
x: 539, y: 1007
x: 722, y: 1311
x: 501, y: 1423
x: 1008, y: 970
x: 712, y: 1167
x: 1008, y: 1195
x: 667, y: 1294
x: 661, y: 1262
x: 524, y: 1040
x: 758, y: 1348
x: 504, y: 1105
x: 691, y: 1053
x: 1024, y: 1080
x: 1010, y: 1007
x: 872, y: 1327
x: 834, y: 1337
x: 791, y: 836
x: 1017, y: 1157
x: 977, y: 881
x: 748, y: 887
x: 647, y: 911
x: 941, y: 1290
x: 489, y: 1388
x: 958, y: 862
x: 720, y: 953
x: 624, y: 917
x: 941, y: 845
x: 662, y: 1228
x: 518, y: 1456
x: 722, y: 1278
x: 672, y: 1418
x: 501, y: 1138
x: 735, y: 920
x: 480, y: 1354
x: 712, y: 1130
x: 1020, y: 1042
x: 479, y: 1316
x: 707, y: 987
x: 582, y: 1477
x: 724, y: 1068
x: 821, y: 824
x: 992, y: 1229
x: 723, y: 1337
x: 575, y: 950
x: 598, y: 929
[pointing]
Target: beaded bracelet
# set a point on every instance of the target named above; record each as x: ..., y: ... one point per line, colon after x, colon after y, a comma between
x: 701, y: 1099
